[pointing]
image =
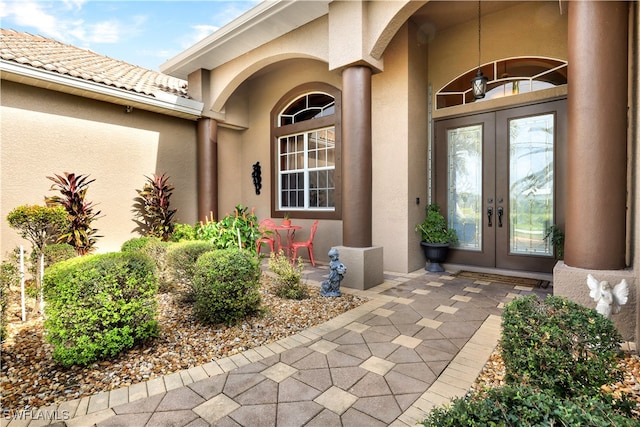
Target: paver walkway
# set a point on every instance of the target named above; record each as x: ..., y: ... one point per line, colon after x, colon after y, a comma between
x: 421, y: 340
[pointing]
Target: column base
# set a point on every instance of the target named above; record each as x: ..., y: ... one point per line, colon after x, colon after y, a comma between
x: 571, y: 283
x: 364, y: 266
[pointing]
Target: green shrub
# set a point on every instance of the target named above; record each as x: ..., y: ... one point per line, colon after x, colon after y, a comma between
x: 156, y: 249
x: 524, y: 406
x: 57, y: 253
x: 181, y: 262
x: 9, y: 276
x: 558, y: 345
x: 135, y: 244
x: 241, y: 225
x: 183, y: 232
x: 240, y: 229
x: 99, y: 305
x: 226, y: 286
x: 52, y: 254
x: 288, y: 274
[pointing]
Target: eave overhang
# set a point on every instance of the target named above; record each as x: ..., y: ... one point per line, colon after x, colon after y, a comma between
x: 161, y: 102
x: 260, y: 25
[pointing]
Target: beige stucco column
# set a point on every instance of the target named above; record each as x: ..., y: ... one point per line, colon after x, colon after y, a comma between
x: 207, y: 164
x: 356, y: 156
x: 597, y: 135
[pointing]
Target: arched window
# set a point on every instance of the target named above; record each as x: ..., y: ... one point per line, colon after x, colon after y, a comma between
x: 306, y: 153
x: 506, y: 77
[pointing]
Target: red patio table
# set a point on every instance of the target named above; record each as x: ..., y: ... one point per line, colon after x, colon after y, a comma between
x: 291, y: 231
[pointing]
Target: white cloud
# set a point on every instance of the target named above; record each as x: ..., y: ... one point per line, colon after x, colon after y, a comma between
x: 101, y: 32
x: 198, y: 33
x: 35, y: 15
x: 59, y: 20
x: 74, y: 4
x: 232, y: 10
x: 104, y: 32
x: 225, y: 13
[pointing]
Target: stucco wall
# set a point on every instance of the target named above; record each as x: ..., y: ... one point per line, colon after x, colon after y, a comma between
x: 417, y: 146
x: 399, y: 139
x: 46, y: 132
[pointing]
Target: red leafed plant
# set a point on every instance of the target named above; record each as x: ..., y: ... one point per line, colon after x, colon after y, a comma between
x: 154, y: 218
x: 73, y: 189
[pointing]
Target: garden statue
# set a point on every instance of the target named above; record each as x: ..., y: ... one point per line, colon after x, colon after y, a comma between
x: 331, y: 287
x: 609, y: 300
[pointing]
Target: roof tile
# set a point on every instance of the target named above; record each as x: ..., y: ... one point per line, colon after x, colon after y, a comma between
x: 51, y: 55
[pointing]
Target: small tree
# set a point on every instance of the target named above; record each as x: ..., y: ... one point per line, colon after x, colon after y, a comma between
x: 41, y: 225
x: 152, y: 208
x: 73, y: 188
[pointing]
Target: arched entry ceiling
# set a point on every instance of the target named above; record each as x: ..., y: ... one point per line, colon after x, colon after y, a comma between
x: 439, y: 15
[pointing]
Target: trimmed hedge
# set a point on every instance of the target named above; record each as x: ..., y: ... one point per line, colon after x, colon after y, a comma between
x: 557, y: 355
x: 157, y: 250
x: 226, y: 286
x: 99, y: 305
x: 519, y: 406
x: 558, y: 345
x: 9, y: 276
x: 58, y: 252
x: 181, y: 262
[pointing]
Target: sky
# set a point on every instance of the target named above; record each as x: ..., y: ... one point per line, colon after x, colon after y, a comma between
x: 141, y: 32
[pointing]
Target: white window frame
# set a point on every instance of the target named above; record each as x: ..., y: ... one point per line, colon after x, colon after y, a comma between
x: 305, y: 170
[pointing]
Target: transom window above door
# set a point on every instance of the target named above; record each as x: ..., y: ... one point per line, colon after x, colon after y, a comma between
x: 305, y: 153
x: 507, y: 77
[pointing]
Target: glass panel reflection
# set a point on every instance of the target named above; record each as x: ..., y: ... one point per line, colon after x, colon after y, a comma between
x: 465, y: 185
x: 530, y: 184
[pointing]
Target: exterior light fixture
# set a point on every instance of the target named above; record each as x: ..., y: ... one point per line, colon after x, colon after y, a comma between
x: 479, y: 82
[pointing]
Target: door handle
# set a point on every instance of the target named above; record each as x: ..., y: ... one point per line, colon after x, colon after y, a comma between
x: 500, y: 212
x: 489, y: 215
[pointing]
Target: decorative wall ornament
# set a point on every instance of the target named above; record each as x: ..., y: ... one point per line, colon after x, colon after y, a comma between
x: 257, y: 177
x: 609, y: 300
x: 337, y: 270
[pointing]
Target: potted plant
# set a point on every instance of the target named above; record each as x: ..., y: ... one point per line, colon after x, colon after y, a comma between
x: 285, y: 220
x: 436, y: 238
x: 555, y: 237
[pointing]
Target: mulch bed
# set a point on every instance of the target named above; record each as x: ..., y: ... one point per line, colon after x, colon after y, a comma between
x: 31, y: 379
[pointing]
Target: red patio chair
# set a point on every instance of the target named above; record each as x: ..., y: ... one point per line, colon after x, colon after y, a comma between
x: 308, y: 244
x: 267, y: 227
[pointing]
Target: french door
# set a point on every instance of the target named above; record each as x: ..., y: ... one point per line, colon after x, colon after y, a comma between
x: 499, y: 180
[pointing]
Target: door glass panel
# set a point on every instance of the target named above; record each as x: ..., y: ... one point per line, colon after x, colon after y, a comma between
x: 465, y: 185
x: 530, y: 184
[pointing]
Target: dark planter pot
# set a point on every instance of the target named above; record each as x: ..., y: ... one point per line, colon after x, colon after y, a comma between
x: 435, y: 253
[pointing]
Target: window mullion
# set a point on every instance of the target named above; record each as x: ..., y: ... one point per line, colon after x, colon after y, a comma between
x: 280, y: 173
x: 306, y: 170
